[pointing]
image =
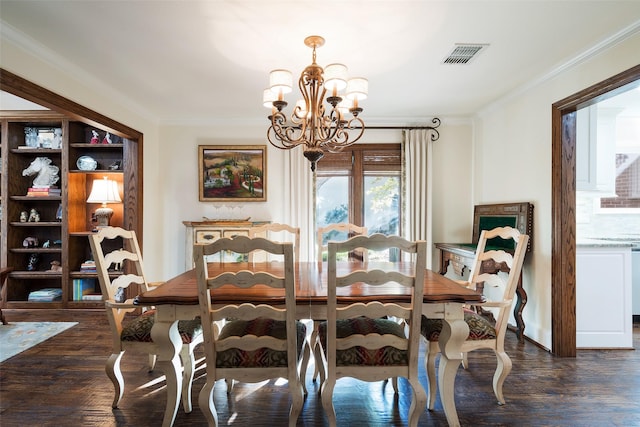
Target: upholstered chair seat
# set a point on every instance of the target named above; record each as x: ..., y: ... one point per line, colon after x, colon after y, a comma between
x: 480, y: 328
x: 262, y: 357
x: 359, y: 355
x: 139, y: 329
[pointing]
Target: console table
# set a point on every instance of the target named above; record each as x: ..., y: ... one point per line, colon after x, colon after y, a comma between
x: 208, y: 231
x: 460, y: 256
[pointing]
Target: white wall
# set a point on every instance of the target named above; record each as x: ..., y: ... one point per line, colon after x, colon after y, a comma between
x: 179, y: 178
x: 170, y: 161
x: 513, y: 139
x: 34, y: 68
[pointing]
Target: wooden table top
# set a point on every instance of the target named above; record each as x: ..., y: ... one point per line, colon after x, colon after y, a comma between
x: 311, y: 286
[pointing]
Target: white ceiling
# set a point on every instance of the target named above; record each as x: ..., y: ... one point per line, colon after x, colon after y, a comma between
x: 207, y: 61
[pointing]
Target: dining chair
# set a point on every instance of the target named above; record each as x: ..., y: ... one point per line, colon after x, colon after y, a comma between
x: 277, y: 232
x: 337, y: 231
x: 119, y: 265
x: 4, y: 274
x: 256, y: 342
x: 499, y: 290
x: 343, y: 230
x: 360, y: 340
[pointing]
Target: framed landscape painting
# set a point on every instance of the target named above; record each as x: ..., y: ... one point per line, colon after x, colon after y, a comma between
x: 232, y: 173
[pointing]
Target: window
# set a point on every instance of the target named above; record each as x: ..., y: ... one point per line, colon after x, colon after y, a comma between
x: 623, y: 111
x: 361, y: 185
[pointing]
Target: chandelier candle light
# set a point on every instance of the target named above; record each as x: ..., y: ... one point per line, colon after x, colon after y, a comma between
x: 318, y: 128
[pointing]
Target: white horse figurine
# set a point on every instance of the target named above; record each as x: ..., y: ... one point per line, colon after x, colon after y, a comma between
x: 47, y: 173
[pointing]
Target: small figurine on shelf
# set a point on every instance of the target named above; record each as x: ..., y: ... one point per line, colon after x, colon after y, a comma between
x: 47, y: 173
x: 32, y: 265
x: 114, y: 166
x: 95, y: 138
x: 23, y: 216
x: 30, y: 242
x: 55, y: 267
x: 34, y: 216
x: 31, y: 137
x: 57, y: 138
x: 107, y: 139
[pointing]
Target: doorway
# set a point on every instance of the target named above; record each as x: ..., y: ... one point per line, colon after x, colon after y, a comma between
x: 563, y: 207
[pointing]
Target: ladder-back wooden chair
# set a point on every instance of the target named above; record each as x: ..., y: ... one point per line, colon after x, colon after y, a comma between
x: 257, y: 342
x: 277, y: 232
x: 499, y: 290
x: 360, y: 340
x: 337, y: 231
x: 119, y: 265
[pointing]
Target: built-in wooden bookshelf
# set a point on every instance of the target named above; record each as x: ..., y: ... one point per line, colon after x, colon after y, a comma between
x: 65, y: 220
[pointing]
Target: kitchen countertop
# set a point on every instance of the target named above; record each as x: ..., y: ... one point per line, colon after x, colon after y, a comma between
x: 622, y: 242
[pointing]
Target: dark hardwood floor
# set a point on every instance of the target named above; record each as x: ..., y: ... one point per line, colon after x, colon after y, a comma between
x: 61, y: 382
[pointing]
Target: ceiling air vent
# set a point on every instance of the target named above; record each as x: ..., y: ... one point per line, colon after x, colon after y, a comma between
x: 463, y: 53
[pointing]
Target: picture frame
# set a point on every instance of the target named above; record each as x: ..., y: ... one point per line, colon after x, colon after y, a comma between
x: 232, y: 173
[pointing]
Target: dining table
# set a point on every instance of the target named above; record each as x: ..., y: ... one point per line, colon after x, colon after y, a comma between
x: 177, y: 299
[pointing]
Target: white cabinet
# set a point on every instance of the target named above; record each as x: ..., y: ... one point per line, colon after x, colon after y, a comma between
x: 603, y: 297
x: 635, y: 281
x: 208, y: 231
x: 596, y: 150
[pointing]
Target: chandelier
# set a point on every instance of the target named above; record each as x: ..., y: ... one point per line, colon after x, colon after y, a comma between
x: 312, y: 124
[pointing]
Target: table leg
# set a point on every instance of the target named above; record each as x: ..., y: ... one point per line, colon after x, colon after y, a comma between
x: 454, y: 332
x: 165, y: 334
x: 521, y: 301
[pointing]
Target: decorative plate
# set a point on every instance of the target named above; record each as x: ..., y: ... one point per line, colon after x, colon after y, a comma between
x: 87, y: 163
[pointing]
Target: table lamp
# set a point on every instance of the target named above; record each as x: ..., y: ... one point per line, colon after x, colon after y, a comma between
x: 104, y: 191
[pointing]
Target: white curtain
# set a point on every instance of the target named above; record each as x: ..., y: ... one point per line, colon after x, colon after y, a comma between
x: 417, y: 158
x: 299, y: 204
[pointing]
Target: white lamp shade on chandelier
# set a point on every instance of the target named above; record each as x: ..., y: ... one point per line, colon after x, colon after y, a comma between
x: 312, y: 124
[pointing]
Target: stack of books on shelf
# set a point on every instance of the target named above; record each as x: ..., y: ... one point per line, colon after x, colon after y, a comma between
x: 88, y: 266
x: 46, y: 295
x: 85, y: 290
x: 51, y: 190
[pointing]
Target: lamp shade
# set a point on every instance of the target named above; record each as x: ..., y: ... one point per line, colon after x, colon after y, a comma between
x: 280, y: 81
x: 357, y: 88
x: 104, y: 191
x: 335, y: 77
x: 268, y: 97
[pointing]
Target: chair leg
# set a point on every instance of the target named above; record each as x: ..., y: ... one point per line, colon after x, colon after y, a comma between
x: 205, y: 401
x: 430, y: 369
x: 306, y: 356
x: 418, y: 402
x: 4, y: 321
x: 318, y: 355
x: 502, y: 371
x: 112, y: 368
x: 297, y: 400
x: 313, y: 342
x: 326, y: 393
x: 188, y: 365
x: 152, y: 362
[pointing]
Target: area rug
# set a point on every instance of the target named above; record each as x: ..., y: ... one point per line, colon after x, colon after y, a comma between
x: 17, y: 337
